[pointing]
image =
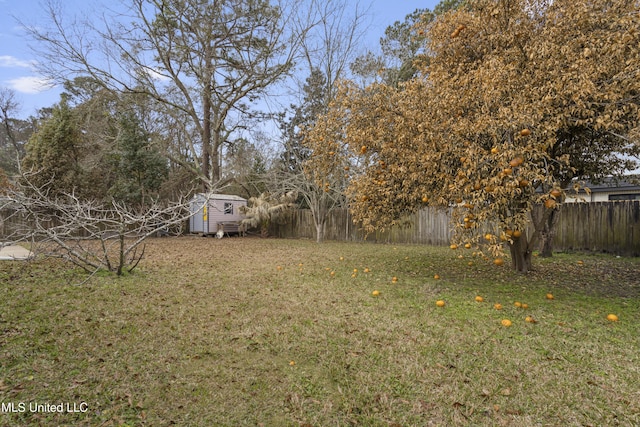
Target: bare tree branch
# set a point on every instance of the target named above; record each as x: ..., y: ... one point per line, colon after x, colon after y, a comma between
x: 91, y: 235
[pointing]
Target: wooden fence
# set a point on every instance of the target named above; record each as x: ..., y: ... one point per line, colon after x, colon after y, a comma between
x: 599, y: 226
x: 612, y: 227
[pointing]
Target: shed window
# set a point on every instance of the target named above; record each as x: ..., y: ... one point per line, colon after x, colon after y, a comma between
x: 228, y: 208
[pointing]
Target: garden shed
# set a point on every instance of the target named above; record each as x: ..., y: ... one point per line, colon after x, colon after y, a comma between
x: 221, y: 215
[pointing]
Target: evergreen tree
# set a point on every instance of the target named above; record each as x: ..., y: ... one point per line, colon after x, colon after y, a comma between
x: 313, y: 105
x: 53, y: 154
x: 140, y: 168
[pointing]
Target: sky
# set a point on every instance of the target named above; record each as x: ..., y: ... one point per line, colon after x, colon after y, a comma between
x: 17, y: 62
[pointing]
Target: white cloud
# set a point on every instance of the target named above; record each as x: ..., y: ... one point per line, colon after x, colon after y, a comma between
x: 8, y: 61
x: 30, y: 84
x: 155, y: 75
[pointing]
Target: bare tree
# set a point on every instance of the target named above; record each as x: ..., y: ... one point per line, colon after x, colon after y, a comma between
x: 92, y: 235
x: 8, y: 106
x: 334, y: 43
x: 204, y: 63
x: 329, y: 49
x: 13, y: 132
x: 321, y: 199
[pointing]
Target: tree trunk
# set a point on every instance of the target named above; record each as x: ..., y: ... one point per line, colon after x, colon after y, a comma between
x: 548, y: 233
x: 121, y: 258
x: 215, y: 145
x: 319, y: 213
x: 206, y: 141
x: 264, y: 229
x: 521, y: 254
x: 544, y: 222
x: 320, y: 228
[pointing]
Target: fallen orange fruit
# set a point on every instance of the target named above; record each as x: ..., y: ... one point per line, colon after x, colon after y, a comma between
x: 612, y: 317
x: 506, y: 322
x: 375, y: 293
x: 497, y: 306
x: 440, y: 303
x: 549, y: 296
x: 479, y: 298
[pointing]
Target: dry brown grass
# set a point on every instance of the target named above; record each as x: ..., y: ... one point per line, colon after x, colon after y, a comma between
x: 205, y: 333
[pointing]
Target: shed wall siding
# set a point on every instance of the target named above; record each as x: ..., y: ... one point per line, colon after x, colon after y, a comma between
x: 217, y: 215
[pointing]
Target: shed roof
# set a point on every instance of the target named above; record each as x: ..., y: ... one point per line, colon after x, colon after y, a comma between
x: 222, y: 197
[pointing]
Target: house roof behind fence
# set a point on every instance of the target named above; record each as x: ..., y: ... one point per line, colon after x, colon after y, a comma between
x: 627, y: 183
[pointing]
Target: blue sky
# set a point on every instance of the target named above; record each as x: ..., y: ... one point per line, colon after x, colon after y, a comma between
x: 17, y: 70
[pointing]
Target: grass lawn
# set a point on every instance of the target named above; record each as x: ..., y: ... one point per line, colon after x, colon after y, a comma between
x: 211, y: 332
